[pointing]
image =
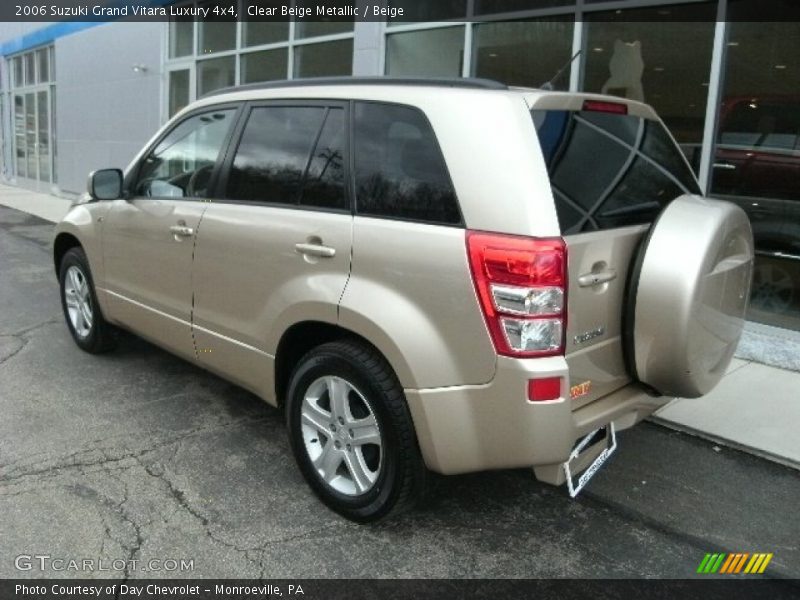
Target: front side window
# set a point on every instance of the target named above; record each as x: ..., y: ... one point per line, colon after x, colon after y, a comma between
x: 291, y: 155
x: 399, y: 170
x: 181, y: 164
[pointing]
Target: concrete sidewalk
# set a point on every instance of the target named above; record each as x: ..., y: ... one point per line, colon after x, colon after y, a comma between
x: 755, y: 408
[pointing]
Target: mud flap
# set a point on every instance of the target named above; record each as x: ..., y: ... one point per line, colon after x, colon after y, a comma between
x: 608, y: 437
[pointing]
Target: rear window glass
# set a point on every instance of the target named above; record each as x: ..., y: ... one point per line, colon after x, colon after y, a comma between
x: 399, y: 170
x: 609, y: 170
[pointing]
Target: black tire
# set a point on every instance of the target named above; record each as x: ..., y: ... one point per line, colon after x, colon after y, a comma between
x: 401, y: 473
x: 101, y: 336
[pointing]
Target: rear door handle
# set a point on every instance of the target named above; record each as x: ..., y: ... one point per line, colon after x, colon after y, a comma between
x: 315, y: 250
x: 726, y: 166
x: 590, y: 279
x: 181, y: 230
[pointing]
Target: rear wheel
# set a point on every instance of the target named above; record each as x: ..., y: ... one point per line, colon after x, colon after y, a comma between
x: 351, y: 432
x: 89, y: 329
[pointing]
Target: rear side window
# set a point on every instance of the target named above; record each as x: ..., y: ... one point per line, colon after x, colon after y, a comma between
x: 399, y: 169
x: 609, y: 170
x: 291, y: 155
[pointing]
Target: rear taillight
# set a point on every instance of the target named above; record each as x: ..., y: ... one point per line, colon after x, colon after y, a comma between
x: 521, y: 284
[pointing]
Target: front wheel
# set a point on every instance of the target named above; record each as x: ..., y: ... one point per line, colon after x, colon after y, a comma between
x: 351, y: 432
x: 79, y: 302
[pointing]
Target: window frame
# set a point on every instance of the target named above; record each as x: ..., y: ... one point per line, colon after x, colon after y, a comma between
x: 460, y: 224
x: 238, y: 132
x: 133, y: 175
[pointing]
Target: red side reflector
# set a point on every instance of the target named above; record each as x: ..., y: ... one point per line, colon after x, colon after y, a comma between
x: 606, y: 107
x: 548, y: 388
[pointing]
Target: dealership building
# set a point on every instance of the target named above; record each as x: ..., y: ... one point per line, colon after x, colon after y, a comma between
x: 77, y: 96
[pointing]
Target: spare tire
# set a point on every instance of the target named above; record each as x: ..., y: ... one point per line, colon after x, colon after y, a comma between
x: 687, y: 296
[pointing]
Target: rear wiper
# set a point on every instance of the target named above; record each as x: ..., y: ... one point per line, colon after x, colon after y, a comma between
x: 634, y: 208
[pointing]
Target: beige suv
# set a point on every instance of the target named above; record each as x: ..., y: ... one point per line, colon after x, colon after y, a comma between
x: 424, y: 275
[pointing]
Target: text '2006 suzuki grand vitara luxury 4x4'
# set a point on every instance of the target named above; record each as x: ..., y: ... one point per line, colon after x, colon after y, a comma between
x: 443, y: 275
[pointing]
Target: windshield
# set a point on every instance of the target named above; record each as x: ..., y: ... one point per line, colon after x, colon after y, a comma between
x: 610, y: 170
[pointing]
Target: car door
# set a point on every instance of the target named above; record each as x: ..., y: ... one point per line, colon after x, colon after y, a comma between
x: 276, y: 249
x: 148, y: 238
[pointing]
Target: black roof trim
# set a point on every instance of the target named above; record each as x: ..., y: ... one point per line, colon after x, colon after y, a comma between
x: 455, y: 82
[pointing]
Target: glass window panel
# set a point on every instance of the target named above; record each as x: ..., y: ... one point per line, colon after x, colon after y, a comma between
x: 426, y: 53
x: 30, y: 68
x: 20, y: 142
x: 43, y: 148
x: 400, y: 171
x: 182, y: 162
x: 43, y: 60
x: 483, y: 7
x: 215, y: 73
x: 52, y: 63
x: 30, y: 133
x: 178, y: 90
x: 320, y: 60
x: 307, y: 29
x: 757, y: 155
x: 440, y: 10
x: 633, y: 54
x: 622, y: 188
x: 323, y: 186
x: 264, y: 66
x: 524, y: 53
x: 216, y: 34
x: 265, y: 32
x: 18, y: 79
x: 181, y: 38
x: 273, y: 153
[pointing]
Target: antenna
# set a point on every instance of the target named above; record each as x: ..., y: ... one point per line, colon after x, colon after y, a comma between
x: 548, y: 86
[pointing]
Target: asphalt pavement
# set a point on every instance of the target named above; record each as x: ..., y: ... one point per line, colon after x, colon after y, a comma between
x: 140, y: 455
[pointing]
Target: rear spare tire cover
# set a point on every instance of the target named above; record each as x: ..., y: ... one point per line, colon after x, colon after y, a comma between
x: 688, y: 295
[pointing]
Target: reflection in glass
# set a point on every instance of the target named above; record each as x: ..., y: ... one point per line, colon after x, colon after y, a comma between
x: 323, y: 185
x: 307, y: 29
x: 43, y: 60
x: 636, y: 54
x: 523, y: 53
x: 43, y: 136
x: 181, y: 38
x: 320, y: 60
x: 267, y: 65
x: 178, y: 90
x: 400, y: 171
x: 757, y: 156
x: 255, y: 33
x: 215, y: 73
x: 273, y: 153
x: 427, y: 53
x: 19, y: 135
x: 181, y: 164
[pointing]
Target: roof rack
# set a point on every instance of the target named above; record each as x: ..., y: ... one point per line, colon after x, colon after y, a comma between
x: 454, y: 82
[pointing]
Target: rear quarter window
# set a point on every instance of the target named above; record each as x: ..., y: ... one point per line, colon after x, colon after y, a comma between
x: 399, y: 169
x: 609, y: 170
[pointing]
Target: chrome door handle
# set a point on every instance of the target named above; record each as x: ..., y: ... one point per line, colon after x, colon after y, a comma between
x: 182, y: 230
x: 315, y: 250
x: 590, y: 279
x: 725, y: 166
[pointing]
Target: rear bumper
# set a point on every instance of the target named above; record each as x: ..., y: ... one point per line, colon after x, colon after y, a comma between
x: 494, y: 426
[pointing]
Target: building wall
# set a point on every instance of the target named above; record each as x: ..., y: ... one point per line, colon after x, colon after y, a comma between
x: 105, y: 111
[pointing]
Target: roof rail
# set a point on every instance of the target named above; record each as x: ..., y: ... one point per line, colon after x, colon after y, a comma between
x: 454, y: 82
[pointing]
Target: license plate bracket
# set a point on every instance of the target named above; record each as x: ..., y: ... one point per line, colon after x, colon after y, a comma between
x: 610, y: 440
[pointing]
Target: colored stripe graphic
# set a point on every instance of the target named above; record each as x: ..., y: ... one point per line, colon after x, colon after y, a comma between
x: 733, y: 563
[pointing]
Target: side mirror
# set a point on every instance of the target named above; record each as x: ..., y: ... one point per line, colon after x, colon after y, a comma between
x: 105, y: 184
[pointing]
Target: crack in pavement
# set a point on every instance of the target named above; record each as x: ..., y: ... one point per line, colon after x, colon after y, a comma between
x: 107, y: 456
x: 22, y: 336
